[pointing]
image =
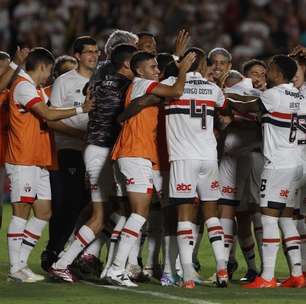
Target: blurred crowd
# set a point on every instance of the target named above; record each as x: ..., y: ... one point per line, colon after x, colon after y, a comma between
x: 247, y: 28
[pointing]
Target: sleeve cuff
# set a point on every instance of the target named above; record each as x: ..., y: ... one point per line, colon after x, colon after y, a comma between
x: 13, y: 65
x: 32, y: 102
x: 151, y: 87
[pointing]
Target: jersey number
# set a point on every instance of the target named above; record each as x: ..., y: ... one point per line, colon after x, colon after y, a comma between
x: 199, y: 112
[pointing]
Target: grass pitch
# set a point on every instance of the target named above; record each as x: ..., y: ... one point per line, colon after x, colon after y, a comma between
x: 82, y: 293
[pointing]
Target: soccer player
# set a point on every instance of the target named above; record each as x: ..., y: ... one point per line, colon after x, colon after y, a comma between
x: 28, y: 154
x: 4, y: 94
x: 136, y: 151
x: 102, y: 133
x: 146, y: 42
x: 193, y: 165
x: 282, y: 171
x: 68, y: 183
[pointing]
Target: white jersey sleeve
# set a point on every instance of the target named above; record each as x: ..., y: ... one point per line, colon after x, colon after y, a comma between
x: 57, y: 94
x: 143, y: 86
x: 270, y: 99
x: 220, y: 100
x: 26, y: 94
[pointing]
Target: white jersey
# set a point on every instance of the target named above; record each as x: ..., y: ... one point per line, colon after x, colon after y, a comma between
x: 67, y: 92
x: 301, y: 136
x: 190, y: 119
x: 280, y: 145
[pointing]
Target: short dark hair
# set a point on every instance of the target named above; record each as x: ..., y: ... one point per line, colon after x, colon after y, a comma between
x: 121, y: 53
x: 138, y: 58
x: 60, y: 61
x: 4, y: 55
x: 143, y: 34
x: 80, y: 42
x: 171, y: 70
x: 250, y: 63
x: 163, y: 59
x: 286, y: 65
x: 38, y: 55
x: 200, y: 56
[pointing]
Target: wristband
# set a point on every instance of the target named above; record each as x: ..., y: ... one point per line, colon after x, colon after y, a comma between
x: 13, y: 65
x: 175, y: 57
x: 79, y: 110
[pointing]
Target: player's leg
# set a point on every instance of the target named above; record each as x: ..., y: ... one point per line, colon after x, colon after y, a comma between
x: 138, y: 174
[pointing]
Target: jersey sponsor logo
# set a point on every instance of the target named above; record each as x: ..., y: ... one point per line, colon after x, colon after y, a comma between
x: 229, y: 189
x: 214, y: 185
x: 27, y: 188
x: 183, y: 187
x: 284, y: 193
x: 292, y: 94
x: 130, y: 181
x: 77, y: 104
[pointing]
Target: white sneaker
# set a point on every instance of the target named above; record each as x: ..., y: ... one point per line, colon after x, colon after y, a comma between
x: 119, y: 278
x: 133, y: 271
x: 21, y: 276
x: 30, y: 273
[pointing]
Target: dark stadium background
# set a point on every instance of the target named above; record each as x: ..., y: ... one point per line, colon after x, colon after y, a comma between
x: 247, y: 28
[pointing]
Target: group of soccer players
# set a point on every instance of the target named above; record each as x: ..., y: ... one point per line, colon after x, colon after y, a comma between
x: 154, y: 146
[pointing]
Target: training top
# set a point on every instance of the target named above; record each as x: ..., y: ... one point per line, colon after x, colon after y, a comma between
x: 279, y: 136
x: 67, y: 91
x: 190, y: 119
x: 109, y: 95
x: 138, y: 134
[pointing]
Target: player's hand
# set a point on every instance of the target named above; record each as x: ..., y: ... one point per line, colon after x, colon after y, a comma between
x: 181, y: 42
x: 21, y: 55
x: 298, y: 51
x: 187, y: 62
x: 89, y: 101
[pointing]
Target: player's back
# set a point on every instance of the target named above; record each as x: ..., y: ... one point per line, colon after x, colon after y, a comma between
x: 280, y: 144
x: 190, y: 119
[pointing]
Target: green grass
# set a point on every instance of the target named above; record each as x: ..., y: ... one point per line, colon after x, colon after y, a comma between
x: 81, y: 293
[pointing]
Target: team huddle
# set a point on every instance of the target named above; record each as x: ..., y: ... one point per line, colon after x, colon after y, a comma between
x: 157, y: 147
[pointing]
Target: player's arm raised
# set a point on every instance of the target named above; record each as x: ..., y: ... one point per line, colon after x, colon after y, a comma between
x: 52, y: 114
x: 177, y: 89
x: 243, y: 103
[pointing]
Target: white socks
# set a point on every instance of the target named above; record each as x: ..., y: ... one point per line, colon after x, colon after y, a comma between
x: 129, y: 235
x: 185, y: 243
x: 82, y: 239
x: 215, y: 234
x: 32, y: 234
x: 302, y: 231
x: 228, y: 229
x: 171, y: 252
x: 14, y: 239
x: 292, y: 242
x: 134, y: 252
x: 270, y: 245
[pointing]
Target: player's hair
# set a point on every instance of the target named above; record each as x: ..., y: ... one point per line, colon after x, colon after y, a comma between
x: 118, y: 37
x: 200, y: 56
x: 38, y: 55
x: 250, y: 63
x: 121, y: 53
x: 171, y: 70
x: 163, y: 59
x: 286, y: 65
x: 232, y: 76
x: 143, y: 34
x: 80, y: 42
x: 60, y: 62
x: 221, y: 51
x: 138, y: 58
x: 4, y: 55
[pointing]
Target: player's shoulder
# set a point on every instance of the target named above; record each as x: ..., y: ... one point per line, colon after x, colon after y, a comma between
x: 67, y: 77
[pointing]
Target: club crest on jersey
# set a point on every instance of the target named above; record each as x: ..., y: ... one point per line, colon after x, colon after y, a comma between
x: 27, y: 188
x: 183, y: 187
x: 284, y: 193
x: 214, y: 185
x: 229, y: 190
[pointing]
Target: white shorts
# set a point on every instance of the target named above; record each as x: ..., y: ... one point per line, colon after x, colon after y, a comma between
x: 234, y: 175
x: 99, y: 170
x: 161, y: 186
x: 28, y: 183
x: 278, y: 187
x: 192, y: 177
x: 138, y: 174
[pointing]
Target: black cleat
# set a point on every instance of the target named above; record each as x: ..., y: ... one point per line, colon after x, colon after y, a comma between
x: 47, y: 258
x: 231, y: 268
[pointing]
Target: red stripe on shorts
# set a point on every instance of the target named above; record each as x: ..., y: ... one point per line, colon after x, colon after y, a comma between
x: 27, y: 199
